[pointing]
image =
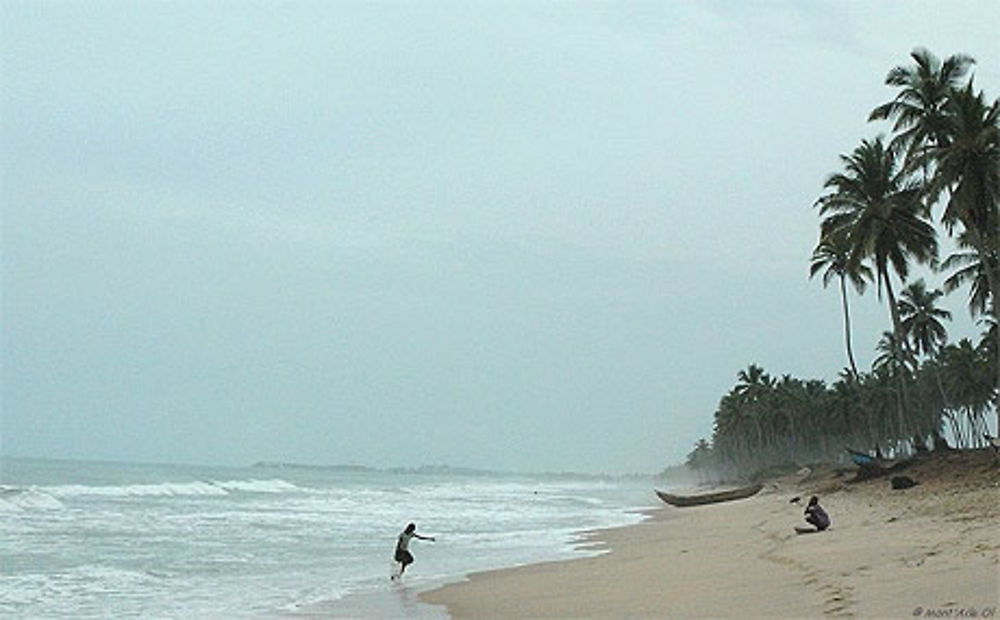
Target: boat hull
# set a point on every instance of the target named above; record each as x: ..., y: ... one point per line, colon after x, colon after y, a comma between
x: 683, y: 501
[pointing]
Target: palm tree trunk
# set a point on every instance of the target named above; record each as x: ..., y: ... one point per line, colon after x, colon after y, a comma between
x: 992, y: 269
x: 847, y: 326
x: 902, y: 403
x: 945, y: 402
x: 995, y: 291
x: 956, y: 429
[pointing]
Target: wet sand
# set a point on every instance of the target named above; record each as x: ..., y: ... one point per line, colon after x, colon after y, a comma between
x: 929, y: 551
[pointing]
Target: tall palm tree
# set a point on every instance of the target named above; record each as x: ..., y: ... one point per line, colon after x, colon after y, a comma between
x: 921, y: 318
x: 967, y: 162
x: 880, y: 211
x: 832, y: 257
x: 967, y: 167
x: 922, y: 325
x: 918, y: 108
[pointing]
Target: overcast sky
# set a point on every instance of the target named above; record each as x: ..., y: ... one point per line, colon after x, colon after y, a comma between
x: 517, y: 235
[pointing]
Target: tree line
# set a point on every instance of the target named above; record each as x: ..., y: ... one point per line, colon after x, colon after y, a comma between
x: 880, y: 217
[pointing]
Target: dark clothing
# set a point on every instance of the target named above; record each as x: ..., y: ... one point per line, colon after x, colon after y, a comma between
x: 403, y: 556
x: 817, y: 517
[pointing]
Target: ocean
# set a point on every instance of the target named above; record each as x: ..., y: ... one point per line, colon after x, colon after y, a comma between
x: 98, y: 539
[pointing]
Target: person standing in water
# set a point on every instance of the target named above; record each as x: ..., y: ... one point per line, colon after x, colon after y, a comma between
x: 403, y: 555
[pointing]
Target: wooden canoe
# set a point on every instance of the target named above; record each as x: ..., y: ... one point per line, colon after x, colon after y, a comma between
x: 709, y: 498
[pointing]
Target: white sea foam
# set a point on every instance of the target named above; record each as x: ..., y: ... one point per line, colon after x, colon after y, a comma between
x: 188, y: 541
x: 16, y: 499
x: 182, y: 489
x: 275, y: 485
x: 138, y: 490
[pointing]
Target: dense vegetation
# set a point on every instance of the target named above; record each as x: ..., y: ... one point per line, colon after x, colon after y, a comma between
x: 880, y: 218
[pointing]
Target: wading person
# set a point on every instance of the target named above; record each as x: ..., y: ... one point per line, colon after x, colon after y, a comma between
x: 403, y: 555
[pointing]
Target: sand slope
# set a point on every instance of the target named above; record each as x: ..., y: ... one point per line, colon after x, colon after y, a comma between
x: 929, y: 551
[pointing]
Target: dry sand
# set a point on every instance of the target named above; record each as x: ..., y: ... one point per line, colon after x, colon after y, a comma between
x: 928, y: 551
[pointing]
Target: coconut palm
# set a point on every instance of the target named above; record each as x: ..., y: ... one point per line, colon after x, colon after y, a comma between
x: 753, y: 384
x: 966, y: 267
x: 701, y: 457
x: 921, y: 318
x: 888, y: 355
x: 966, y: 373
x: 967, y: 167
x: 922, y: 326
x: 967, y: 163
x: 990, y: 345
x: 880, y: 211
x: 832, y: 257
x: 846, y: 411
x: 918, y: 109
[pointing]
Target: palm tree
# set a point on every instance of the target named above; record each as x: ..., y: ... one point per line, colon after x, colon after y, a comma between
x: 752, y: 387
x: 967, y: 163
x: 888, y: 358
x: 701, y: 458
x: 731, y: 437
x: 918, y: 108
x: 847, y: 408
x: 880, y: 211
x: 832, y: 257
x: 881, y: 392
x: 968, y: 268
x: 966, y: 374
x: 923, y: 328
x: 753, y: 383
x: 921, y: 318
x: 967, y: 167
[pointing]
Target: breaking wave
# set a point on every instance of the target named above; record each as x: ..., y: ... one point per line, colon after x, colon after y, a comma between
x: 16, y: 499
x: 180, y: 489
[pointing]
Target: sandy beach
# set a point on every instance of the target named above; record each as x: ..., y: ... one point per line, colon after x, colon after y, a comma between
x: 929, y: 551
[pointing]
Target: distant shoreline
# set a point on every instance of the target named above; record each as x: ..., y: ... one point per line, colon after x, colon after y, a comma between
x: 446, y: 470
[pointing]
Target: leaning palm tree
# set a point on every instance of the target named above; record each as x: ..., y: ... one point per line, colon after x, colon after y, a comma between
x: 922, y: 319
x: 918, y: 109
x: 832, y: 257
x: 880, y: 211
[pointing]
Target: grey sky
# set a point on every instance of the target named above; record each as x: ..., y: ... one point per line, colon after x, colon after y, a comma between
x: 513, y: 235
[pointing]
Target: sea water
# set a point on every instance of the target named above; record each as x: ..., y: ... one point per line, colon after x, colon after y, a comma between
x: 90, y: 539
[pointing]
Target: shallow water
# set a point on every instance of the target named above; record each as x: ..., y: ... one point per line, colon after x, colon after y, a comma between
x: 111, y: 539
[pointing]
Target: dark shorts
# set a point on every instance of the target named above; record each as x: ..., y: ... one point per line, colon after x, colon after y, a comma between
x: 404, y: 556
